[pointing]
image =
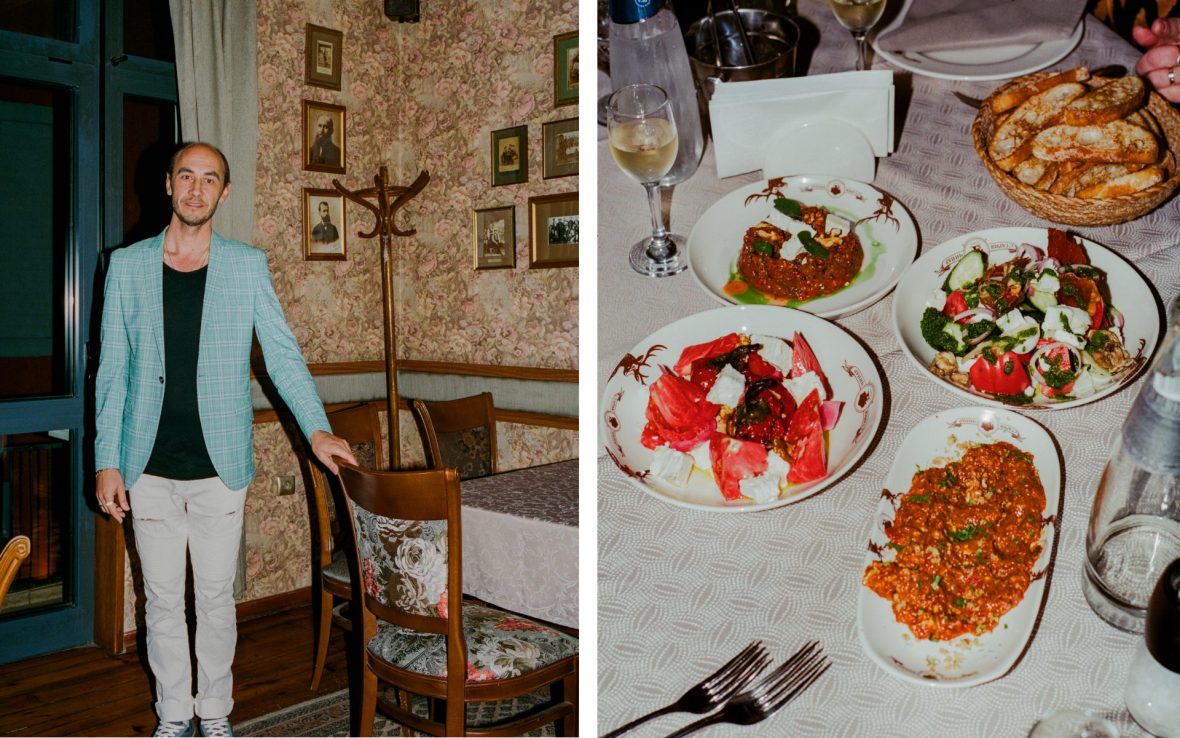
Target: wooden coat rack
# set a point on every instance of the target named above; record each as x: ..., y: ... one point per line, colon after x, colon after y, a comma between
x: 388, y: 200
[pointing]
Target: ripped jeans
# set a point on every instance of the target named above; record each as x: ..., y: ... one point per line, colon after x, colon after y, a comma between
x: 204, y: 518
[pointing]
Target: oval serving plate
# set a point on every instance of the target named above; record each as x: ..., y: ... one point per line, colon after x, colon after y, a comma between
x: 889, y: 239
x: 1128, y: 292
x: 969, y: 659
x: 853, y: 376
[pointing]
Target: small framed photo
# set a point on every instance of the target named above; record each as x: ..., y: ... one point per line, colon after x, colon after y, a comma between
x: 322, y: 51
x: 553, y: 231
x: 560, y: 148
x: 323, y: 137
x: 493, y: 236
x: 565, y: 69
x: 510, y: 156
x: 324, y: 228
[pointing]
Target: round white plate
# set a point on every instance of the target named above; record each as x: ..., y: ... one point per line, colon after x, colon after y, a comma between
x: 969, y: 659
x: 849, y: 369
x: 1128, y: 292
x: 990, y: 62
x: 889, y: 239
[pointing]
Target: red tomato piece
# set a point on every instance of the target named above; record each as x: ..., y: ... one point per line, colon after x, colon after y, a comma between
x: 955, y: 304
x: 708, y: 350
x: 1004, y: 375
x: 803, y: 360
x: 734, y: 460
x: 764, y: 414
x: 805, y: 438
x: 678, y: 414
x: 758, y: 368
x: 1065, y: 249
x: 1082, y: 292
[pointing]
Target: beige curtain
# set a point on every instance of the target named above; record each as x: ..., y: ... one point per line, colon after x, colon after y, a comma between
x: 216, y: 63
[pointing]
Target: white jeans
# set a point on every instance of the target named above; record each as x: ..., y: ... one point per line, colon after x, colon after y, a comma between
x: 204, y: 518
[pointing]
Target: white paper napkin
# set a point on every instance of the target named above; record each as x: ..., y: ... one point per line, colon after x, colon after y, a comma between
x: 940, y: 25
x: 745, y: 115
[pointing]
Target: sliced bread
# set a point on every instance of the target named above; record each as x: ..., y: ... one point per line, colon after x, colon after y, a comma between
x: 1015, y: 96
x: 1109, y: 102
x: 1125, y: 185
x: 1114, y: 141
x: 1011, y: 142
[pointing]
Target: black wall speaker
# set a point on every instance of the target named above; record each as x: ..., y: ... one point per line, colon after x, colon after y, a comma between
x: 402, y: 11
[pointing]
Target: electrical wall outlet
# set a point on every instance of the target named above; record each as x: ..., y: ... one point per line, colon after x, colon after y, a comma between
x: 284, y: 484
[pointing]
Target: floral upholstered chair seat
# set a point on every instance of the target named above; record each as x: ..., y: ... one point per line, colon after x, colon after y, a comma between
x: 499, y: 645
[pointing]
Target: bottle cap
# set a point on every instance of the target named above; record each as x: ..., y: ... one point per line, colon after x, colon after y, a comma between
x: 633, y: 11
x: 1162, y: 630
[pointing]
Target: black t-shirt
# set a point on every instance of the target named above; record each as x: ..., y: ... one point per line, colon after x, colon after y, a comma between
x: 180, y: 451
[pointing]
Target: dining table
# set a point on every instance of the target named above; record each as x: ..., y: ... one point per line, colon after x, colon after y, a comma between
x: 520, y: 540
x: 682, y: 590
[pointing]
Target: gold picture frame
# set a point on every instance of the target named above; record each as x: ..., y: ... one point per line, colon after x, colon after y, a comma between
x: 553, y: 231
x: 324, y: 137
x: 325, y: 225
x: 323, y: 53
x: 493, y: 237
x: 560, y: 148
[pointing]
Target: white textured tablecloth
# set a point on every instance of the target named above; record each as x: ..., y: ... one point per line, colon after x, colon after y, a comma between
x: 520, y: 541
x: 681, y: 591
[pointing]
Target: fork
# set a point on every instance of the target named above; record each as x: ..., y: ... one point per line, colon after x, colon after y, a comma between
x: 714, y: 689
x: 1110, y: 70
x: 776, y: 689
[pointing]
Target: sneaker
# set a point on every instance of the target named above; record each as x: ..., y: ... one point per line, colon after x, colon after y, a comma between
x: 216, y: 728
x: 180, y: 729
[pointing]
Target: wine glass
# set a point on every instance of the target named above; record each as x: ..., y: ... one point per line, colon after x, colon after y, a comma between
x: 643, y: 141
x: 858, y: 16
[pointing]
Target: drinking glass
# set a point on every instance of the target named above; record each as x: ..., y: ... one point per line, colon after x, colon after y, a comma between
x: 643, y: 141
x: 858, y: 16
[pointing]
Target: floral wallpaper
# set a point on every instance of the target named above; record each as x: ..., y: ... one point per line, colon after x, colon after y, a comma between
x: 418, y: 96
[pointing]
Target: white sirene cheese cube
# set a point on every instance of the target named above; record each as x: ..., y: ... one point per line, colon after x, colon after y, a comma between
x: 1064, y: 336
x: 778, y: 466
x: 1066, y: 318
x: 937, y: 300
x: 727, y: 389
x: 800, y: 387
x: 762, y: 488
x: 1013, y: 323
x: 1047, y: 281
x: 700, y: 456
x: 671, y: 465
x: 776, y: 351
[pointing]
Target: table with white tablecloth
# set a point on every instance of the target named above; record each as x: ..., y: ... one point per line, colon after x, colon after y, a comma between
x: 680, y: 590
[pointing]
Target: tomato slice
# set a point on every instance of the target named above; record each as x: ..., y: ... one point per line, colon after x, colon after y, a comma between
x: 1082, y: 292
x: 708, y: 350
x: 764, y: 414
x: 803, y: 360
x: 805, y: 438
x: 678, y: 414
x: 1005, y: 374
x: 758, y: 369
x: 1065, y: 249
x: 955, y: 303
x: 734, y: 460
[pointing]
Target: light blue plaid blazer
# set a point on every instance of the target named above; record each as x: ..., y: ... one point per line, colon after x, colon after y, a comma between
x: 239, y: 301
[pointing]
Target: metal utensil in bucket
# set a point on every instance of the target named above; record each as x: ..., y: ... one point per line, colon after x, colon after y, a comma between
x: 716, y: 52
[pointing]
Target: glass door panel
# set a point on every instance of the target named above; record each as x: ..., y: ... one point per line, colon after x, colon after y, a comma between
x: 55, y: 19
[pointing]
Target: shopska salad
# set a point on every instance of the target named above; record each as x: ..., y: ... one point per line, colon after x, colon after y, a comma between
x: 1036, y: 326
x: 749, y: 410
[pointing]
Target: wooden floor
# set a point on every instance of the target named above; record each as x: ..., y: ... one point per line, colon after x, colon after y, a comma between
x: 85, y: 692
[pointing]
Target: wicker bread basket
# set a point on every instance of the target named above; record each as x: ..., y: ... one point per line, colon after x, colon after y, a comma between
x: 1078, y: 210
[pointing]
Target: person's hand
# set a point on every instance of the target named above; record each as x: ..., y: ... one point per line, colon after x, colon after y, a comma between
x: 325, y: 446
x: 1160, y: 64
x: 112, y: 497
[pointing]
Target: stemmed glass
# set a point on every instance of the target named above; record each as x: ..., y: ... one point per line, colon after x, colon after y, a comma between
x: 858, y: 16
x: 643, y: 141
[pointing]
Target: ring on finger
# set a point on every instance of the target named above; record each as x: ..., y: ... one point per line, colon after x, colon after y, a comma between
x: 1172, y: 76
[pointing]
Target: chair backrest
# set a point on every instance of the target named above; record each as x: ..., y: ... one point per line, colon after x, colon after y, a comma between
x: 16, y: 551
x: 360, y: 426
x: 460, y: 434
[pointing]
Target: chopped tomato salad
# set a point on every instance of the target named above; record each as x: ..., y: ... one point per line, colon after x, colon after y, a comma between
x: 751, y: 411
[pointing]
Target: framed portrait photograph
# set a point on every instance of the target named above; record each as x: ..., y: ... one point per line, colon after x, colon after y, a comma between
x: 323, y: 51
x: 560, y: 148
x: 553, y: 231
x: 493, y: 237
x: 510, y: 156
x: 323, y: 137
x: 325, y: 231
x: 565, y: 69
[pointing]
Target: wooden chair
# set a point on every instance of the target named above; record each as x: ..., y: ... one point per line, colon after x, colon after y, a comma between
x: 15, y: 552
x: 360, y: 425
x: 418, y: 633
x: 459, y: 433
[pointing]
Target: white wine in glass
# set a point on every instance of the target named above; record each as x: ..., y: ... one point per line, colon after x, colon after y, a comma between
x: 858, y: 16
x: 642, y: 134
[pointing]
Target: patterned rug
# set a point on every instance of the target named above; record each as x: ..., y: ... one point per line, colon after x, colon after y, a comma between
x: 328, y: 716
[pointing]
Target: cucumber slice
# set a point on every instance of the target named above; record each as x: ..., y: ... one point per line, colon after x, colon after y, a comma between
x: 967, y: 272
x: 1043, y: 300
x: 955, y: 331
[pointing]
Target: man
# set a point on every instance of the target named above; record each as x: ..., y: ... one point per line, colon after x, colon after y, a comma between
x: 323, y: 151
x: 325, y: 231
x: 174, y: 420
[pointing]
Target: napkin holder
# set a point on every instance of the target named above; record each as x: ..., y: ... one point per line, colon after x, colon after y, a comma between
x: 822, y: 146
